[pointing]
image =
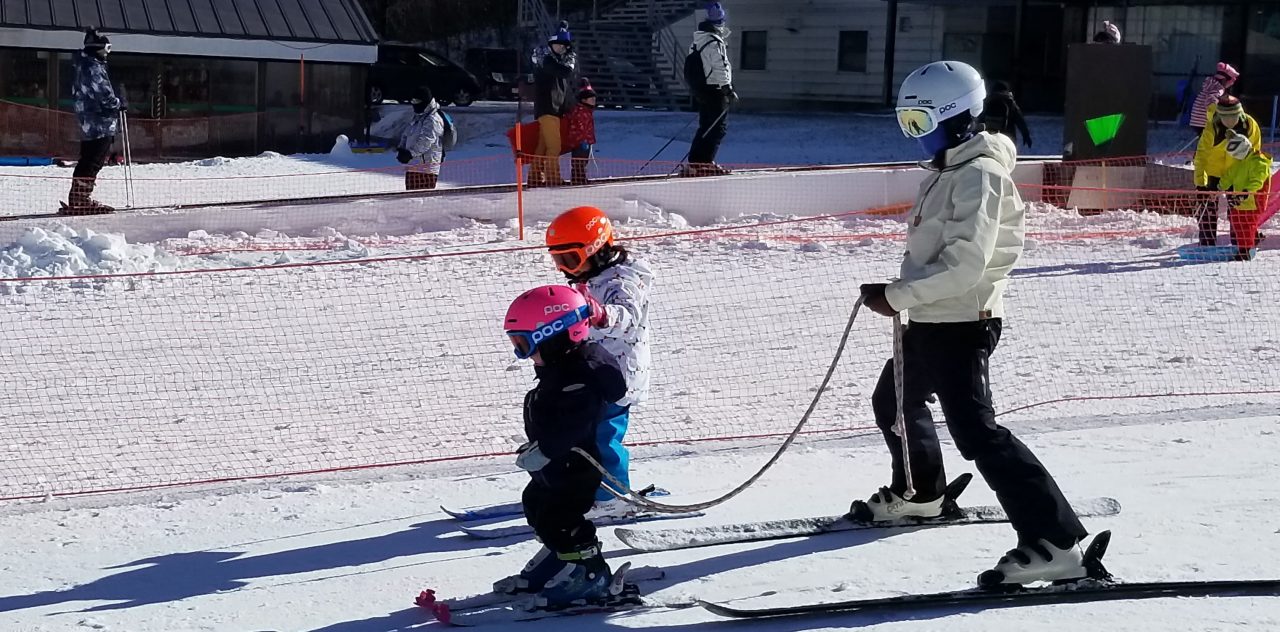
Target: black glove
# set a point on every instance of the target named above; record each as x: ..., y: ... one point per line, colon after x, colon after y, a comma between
x: 1027, y: 141
x: 729, y: 92
x: 873, y: 297
x: 403, y: 156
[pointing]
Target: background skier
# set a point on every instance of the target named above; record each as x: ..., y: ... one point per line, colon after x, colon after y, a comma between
x: 713, y: 94
x: 554, y: 82
x: 1213, y: 88
x: 1213, y: 159
x: 1001, y: 114
x: 98, y: 113
x: 423, y: 142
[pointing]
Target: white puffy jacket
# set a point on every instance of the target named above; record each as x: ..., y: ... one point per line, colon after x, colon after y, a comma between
x: 623, y: 290
x: 423, y: 137
x: 964, y: 236
x: 715, y: 58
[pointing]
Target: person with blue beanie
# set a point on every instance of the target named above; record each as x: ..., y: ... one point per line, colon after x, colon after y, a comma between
x: 710, y: 77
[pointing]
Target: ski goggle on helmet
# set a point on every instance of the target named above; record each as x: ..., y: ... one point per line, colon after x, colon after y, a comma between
x: 543, y: 313
x: 576, y: 236
x: 936, y: 92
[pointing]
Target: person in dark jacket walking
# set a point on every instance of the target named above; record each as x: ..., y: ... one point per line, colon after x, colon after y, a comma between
x: 555, y: 79
x: 577, y: 381
x: 714, y: 95
x: 1001, y: 114
x: 97, y: 111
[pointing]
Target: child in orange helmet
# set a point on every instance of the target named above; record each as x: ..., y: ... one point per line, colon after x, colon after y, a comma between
x: 616, y: 285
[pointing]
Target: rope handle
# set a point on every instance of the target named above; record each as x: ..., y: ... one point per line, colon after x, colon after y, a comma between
x: 900, y: 419
x: 622, y: 492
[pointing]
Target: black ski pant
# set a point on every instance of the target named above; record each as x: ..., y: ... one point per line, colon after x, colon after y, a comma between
x: 713, y: 112
x: 93, y: 155
x: 951, y: 360
x: 556, y: 503
x: 1207, y: 212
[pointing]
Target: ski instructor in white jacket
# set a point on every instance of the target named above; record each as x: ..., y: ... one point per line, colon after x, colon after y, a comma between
x: 964, y: 236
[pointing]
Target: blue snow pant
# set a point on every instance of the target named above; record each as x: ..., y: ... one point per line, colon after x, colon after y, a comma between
x: 613, y: 455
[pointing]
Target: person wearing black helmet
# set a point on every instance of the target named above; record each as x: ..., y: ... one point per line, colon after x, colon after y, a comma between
x: 422, y: 142
x: 1001, y: 114
x: 555, y: 79
x: 97, y: 111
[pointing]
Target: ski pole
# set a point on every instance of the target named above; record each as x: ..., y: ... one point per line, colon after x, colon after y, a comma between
x: 664, y: 147
x: 700, y: 137
x: 128, y: 158
x: 128, y: 139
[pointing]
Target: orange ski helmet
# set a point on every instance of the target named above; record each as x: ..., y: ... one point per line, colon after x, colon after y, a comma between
x: 576, y: 236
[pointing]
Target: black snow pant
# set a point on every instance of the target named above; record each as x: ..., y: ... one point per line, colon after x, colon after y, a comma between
x: 1207, y: 212
x: 578, y: 172
x: 713, y: 112
x: 93, y: 154
x: 556, y: 503
x: 951, y: 360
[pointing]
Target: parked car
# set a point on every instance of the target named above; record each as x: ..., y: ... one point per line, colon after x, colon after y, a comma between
x: 401, y: 70
x: 498, y: 71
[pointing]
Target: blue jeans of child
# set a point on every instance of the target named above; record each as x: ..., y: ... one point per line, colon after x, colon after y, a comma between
x: 613, y: 455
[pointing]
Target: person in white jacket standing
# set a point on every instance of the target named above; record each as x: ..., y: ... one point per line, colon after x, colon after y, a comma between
x: 964, y: 236
x: 616, y: 285
x: 713, y: 92
x: 422, y: 141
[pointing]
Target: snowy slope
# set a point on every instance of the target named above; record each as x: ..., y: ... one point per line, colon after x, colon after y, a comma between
x: 346, y: 553
x: 1099, y: 306
x: 349, y: 555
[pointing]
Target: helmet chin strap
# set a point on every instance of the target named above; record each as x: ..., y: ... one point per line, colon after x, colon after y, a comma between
x: 944, y: 138
x: 935, y: 141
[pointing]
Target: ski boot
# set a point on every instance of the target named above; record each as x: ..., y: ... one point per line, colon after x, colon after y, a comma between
x: 613, y: 508
x: 87, y: 207
x: 80, y: 202
x: 1040, y: 561
x: 887, y: 506
x: 584, y: 579
x: 534, y: 576
x: 617, y: 508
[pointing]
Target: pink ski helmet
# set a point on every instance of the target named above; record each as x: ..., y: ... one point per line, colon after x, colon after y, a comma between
x: 545, y: 313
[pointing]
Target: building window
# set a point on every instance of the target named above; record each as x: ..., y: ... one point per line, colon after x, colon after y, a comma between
x: 755, y: 49
x: 853, y: 51
x: 24, y: 76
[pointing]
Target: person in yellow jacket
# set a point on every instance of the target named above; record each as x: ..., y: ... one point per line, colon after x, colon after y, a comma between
x: 1228, y: 120
x: 1248, y: 186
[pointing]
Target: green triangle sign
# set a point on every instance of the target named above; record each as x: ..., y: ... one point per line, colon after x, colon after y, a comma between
x: 1103, y: 129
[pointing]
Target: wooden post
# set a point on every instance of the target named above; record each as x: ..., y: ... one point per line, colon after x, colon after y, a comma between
x: 302, y: 99
x: 890, y: 44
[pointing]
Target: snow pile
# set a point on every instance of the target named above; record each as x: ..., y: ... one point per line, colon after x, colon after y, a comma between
x: 65, y: 251
x: 341, y: 147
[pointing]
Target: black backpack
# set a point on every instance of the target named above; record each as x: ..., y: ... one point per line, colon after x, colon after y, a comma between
x: 695, y: 74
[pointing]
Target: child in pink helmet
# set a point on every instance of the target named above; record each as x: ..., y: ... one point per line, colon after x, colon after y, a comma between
x: 577, y: 380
